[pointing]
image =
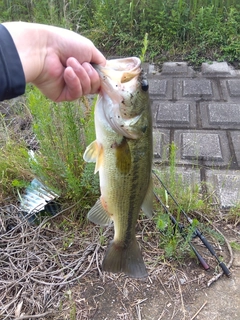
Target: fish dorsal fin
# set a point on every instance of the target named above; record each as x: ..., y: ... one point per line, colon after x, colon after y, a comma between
x: 94, y: 153
x: 147, y: 205
x: 99, y: 215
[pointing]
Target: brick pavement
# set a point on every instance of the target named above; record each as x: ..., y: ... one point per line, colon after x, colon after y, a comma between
x: 200, y: 113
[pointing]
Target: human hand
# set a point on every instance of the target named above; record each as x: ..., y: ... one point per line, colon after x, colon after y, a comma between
x: 56, y: 60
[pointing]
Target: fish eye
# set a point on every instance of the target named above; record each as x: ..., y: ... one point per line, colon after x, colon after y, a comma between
x: 144, y: 84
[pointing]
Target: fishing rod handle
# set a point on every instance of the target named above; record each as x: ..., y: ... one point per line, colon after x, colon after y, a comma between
x: 206, y: 243
x: 225, y: 269
x: 210, y: 248
x: 202, y: 261
x: 200, y: 258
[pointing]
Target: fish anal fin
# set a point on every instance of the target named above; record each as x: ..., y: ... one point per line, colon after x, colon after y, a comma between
x: 127, y: 259
x: 99, y: 215
x: 94, y: 153
x: 147, y: 205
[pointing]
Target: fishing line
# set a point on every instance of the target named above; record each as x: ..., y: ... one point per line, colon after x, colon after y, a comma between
x: 181, y: 228
x: 196, y: 232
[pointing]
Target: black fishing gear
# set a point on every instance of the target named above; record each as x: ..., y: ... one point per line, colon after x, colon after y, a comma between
x: 196, y: 231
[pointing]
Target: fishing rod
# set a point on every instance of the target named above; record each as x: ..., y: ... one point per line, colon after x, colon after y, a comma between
x: 197, y: 232
x: 180, y: 228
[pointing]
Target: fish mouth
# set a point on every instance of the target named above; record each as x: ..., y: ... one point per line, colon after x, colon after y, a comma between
x: 119, y: 70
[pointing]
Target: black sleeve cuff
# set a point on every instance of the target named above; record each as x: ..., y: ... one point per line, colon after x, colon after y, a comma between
x: 12, y: 79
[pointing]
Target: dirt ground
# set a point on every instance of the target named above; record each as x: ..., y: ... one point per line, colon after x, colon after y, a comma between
x: 154, y: 301
x: 169, y: 293
x: 54, y: 274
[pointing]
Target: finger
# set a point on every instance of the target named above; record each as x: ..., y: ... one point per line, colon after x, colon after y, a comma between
x: 87, y: 75
x: 79, y: 80
x: 93, y: 76
x: 82, y: 75
x: 72, y: 89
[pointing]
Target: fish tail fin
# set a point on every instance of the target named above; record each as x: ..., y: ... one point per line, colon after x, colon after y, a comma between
x: 125, y: 259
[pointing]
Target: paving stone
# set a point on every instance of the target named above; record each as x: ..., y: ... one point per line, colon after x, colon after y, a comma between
x: 190, y: 177
x: 153, y: 69
x: 202, y: 147
x: 226, y: 185
x: 200, y: 113
x: 235, y: 135
x: 183, y: 178
x: 220, y: 115
x: 197, y: 89
x: 229, y: 90
x: 234, y: 87
x: 179, y: 114
x: 177, y: 68
x: 145, y: 67
x: 162, y: 88
x: 161, y: 140
x: 194, y: 146
x: 216, y: 69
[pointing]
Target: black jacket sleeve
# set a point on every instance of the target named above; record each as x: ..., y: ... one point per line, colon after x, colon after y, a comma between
x: 12, y: 79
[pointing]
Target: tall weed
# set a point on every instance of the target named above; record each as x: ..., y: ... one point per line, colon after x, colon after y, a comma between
x: 15, y: 169
x: 194, y: 30
x: 63, y: 131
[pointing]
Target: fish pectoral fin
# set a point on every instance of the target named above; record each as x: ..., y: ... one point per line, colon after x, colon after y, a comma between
x: 127, y: 259
x: 91, y: 153
x: 94, y: 153
x: 147, y: 205
x: 99, y: 215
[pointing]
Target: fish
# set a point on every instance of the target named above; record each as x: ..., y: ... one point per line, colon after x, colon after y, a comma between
x: 123, y: 152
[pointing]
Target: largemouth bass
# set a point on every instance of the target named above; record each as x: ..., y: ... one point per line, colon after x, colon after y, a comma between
x: 123, y: 155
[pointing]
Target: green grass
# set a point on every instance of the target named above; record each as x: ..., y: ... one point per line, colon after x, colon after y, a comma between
x: 233, y: 215
x: 144, y: 48
x: 176, y: 243
x: 189, y: 199
x: 15, y: 171
x: 235, y: 245
x: 189, y: 30
x: 63, y: 131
